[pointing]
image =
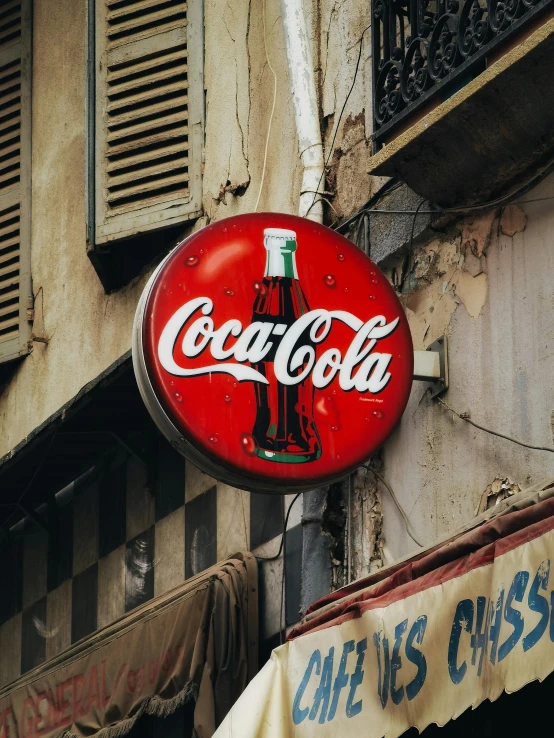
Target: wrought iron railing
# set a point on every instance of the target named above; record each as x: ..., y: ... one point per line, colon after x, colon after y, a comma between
x: 426, y: 49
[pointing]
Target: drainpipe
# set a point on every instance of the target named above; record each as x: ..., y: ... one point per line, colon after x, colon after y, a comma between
x: 316, y: 558
x: 301, y: 71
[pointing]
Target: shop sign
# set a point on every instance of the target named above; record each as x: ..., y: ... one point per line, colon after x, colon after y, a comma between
x: 272, y: 352
x: 421, y: 653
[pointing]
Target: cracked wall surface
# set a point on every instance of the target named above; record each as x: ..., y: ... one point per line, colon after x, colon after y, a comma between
x: 239, y: 99
x: 485, y: 282
x: 85, y: 329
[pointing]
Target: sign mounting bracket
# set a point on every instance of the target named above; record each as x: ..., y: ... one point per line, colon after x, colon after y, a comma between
x: 432, y: 366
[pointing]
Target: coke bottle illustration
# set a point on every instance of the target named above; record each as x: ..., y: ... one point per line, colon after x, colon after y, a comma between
x: 284, y: 430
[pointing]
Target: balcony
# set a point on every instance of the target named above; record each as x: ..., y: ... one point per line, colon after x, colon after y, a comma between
x: 463, y: 94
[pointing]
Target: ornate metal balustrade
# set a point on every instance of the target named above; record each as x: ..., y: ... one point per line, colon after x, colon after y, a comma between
x: 426, y: 49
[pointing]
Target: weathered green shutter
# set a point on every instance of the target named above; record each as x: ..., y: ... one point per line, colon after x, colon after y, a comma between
x: 149, y: 113
x: 15, y: 177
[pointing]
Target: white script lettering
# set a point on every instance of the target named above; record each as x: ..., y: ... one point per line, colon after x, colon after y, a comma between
x: 361, y: 368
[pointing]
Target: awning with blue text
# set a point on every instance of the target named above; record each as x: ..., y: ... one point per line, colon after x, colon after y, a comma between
x: 456, y: 624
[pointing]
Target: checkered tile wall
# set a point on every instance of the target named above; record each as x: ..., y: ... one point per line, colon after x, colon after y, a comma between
x: 128, y: 537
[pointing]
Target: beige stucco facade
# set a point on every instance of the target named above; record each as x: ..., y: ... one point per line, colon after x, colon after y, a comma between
x: 484, y: 281
x: 86, y: 329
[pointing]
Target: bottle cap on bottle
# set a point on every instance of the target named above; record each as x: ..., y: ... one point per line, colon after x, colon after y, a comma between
x: 280, y: 244
x: 280, y: 239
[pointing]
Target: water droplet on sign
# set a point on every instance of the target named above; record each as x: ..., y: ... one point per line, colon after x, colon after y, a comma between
x: 227, y: 399
x: 201, y: 251
x: 229, y: 292
x: 371, y: 297
x: 225, y: 230
x: 172, y: 383
x: 191, y: 261
x: 178, y: 397
x: 260, y: 289
x: 330, y: 281
x: 374, y: 281
x: 372, y: 274
x: 346, y: 289
x: 235, y: 384
x: 213, y: 439
x: 378, y: 414
x: 328, y: 411
x: 341, y: 257
x: 248, y: 444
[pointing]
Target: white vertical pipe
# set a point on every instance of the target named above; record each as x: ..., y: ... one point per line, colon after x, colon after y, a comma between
x: 301, y: 71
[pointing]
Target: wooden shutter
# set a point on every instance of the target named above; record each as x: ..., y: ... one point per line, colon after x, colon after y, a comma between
x: 15, y: 177
x: 149, y: 112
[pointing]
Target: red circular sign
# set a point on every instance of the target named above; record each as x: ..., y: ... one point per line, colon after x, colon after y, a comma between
x: 272, y: 352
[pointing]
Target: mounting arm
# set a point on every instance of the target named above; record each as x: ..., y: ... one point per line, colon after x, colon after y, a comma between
x: 432, y: 366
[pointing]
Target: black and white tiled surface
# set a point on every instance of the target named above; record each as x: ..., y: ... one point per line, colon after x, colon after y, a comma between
x: 131, y: 535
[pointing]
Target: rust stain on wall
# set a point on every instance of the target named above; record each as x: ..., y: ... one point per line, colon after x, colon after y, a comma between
x: 476, y: 232
x: 348, y: 183
x: 513, y: 220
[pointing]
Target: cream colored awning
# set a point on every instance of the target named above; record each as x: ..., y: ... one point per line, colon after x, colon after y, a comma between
x: 458, y: 623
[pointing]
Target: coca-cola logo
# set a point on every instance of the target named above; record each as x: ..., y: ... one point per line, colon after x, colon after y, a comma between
x: 272, y: 352
x: 360, y: 369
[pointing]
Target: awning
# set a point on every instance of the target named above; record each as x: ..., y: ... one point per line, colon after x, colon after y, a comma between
x: 458, y: 623
x: 196, y: 644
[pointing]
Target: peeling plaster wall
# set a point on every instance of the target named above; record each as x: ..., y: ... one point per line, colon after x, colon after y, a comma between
x: 343, y: 27
x: 85, y: 329
x: 487, y: 284
x: 483, y: 281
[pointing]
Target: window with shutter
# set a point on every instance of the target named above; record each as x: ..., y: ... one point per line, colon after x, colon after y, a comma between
x: 15, y: 177
x: 149, y: 112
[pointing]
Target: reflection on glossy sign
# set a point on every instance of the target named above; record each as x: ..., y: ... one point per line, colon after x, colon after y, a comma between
x: 272, y: 352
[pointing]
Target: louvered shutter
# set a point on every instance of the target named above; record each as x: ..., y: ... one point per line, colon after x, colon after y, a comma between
x: 149, y: 112
x: 15, y: 177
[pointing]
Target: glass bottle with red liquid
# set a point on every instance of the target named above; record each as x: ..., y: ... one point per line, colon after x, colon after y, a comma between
x: 284, y: 430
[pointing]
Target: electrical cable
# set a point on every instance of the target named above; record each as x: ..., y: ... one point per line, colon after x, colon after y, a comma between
x: 408, y: 525
x: 10, y: 517
x: 465, y: 416
x: 504, y: 200
x: 390, y: 186
x: 411, y: 252
x: 272, y: 112
x: 282, y: 614
x: 283, y: 548
x: 340, y: 117
x: 272, y: 558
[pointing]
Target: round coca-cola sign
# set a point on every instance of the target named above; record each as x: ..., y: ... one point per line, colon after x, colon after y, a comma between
x: 272, y: 352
